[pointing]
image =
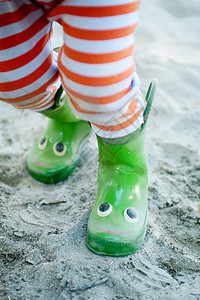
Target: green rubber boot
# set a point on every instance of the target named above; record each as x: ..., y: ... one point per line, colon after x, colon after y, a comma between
x: 54, y: 157
x: 117, y: 224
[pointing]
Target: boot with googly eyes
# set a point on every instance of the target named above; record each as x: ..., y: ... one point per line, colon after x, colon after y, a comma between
x: 118, y: 221
x: 57, y: 153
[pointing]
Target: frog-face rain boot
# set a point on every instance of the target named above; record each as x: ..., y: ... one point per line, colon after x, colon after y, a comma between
x: 54, y: 157
x: 117, y: 224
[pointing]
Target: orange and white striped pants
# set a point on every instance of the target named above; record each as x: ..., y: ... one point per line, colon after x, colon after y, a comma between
x: 95, y: 63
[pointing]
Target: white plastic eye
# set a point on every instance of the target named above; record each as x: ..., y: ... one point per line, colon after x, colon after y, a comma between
x: 104, y: 209
x: 131, y: 215
x: 59, y: 149
x: 43, y: 142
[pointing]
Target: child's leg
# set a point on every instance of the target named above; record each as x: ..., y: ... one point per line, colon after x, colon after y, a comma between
x: 98, y: 73
x: 29, y: 75
x: 96, y: 64
x: 30, y: 79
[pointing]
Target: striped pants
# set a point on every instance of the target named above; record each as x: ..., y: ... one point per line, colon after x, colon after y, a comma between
x: 94, y: 65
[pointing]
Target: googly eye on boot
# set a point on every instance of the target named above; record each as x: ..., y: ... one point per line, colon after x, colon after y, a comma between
x: 59, y: 148
x: 131, y: 215
x: 104, y: 209
x: 42, y: 143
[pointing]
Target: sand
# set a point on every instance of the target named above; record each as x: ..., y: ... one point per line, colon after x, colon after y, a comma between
x: 43, y: 227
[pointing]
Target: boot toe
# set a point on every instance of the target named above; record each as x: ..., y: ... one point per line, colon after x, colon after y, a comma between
x: 55, y: 156
x: 115, y: 242
x: 47, y: 166
x: 114, y: 234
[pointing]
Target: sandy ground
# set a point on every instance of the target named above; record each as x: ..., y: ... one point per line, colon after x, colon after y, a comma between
x: 43, y: 250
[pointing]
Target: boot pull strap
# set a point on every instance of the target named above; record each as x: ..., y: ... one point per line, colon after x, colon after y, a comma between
x: 149, y: 98
x: 58, y: 95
